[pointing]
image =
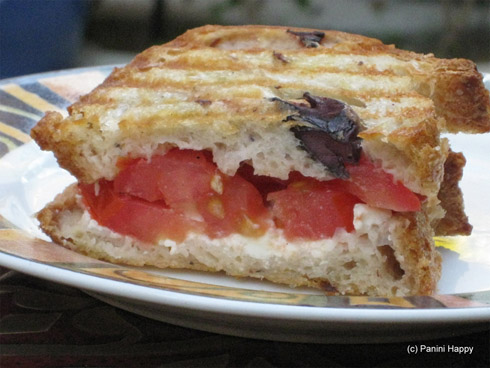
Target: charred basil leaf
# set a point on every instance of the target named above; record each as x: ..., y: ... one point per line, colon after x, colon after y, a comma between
x: 330, y: 134
x: 330, y: 152
x: 309, y: 39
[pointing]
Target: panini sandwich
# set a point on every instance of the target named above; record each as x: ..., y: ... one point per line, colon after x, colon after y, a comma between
x: 303, y: 157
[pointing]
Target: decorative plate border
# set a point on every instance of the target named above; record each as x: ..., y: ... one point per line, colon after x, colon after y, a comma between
x: 23, y: 102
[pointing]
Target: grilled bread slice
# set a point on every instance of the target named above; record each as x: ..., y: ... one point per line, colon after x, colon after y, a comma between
x: 285, y: 103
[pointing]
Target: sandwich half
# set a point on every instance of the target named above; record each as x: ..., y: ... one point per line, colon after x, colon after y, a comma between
x: 299, y: 156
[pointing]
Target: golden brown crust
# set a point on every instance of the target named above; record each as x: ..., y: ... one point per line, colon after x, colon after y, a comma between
x: 462, y: 101
x: 420, y: 255
x: 49, y: 216
x: 49, y: 135
x: 455, y: 222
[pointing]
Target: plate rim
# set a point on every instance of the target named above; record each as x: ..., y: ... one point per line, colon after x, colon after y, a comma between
x: 58, y: 72
x: 142, y: 293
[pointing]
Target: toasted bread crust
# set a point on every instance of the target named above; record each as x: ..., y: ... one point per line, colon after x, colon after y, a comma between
x: 455, y: 221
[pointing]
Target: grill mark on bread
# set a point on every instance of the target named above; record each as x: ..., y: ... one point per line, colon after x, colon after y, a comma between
x: 290, y: 90
x: 252, y: 59
x: 227, y: 99
x: 266, y: 77
x: 149, y: 97
x: 241, y: 85
x: 247, y: 107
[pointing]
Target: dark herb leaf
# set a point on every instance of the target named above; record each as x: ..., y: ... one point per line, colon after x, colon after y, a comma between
x: 331, y: 133
x: 331, y: 153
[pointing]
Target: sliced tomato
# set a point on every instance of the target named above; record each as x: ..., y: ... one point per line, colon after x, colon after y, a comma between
x: 377, y: 188
x: 189, y: 182
x: 170, y: 195
x: 310, y: 209
x: 134, y: 217
x: 178, y: 177
x: 245, y: 207
x: 239, y: 209
x: 141, y: 183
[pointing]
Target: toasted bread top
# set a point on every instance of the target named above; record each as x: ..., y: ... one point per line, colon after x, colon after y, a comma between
x: 217, y: 88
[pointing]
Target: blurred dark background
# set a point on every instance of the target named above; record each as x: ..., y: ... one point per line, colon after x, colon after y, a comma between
x: 41, y: 35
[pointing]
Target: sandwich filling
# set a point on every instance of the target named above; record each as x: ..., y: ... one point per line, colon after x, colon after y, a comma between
x: 182, y: 191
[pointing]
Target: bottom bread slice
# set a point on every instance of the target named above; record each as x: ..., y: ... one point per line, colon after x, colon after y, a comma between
x: 388, y: 254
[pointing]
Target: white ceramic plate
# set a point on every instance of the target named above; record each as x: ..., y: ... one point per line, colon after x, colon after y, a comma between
x: 214, y: 302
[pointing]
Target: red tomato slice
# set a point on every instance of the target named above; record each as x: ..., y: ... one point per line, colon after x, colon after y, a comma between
x: 245, y: 207
x: 237, y: 208
x: 182, y: 191
x: 177, y: 177
x: 377, y: 188
x: 309, y: 209
x: 141, y: 183
x: 131, y: 216
x: 190, y: 183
